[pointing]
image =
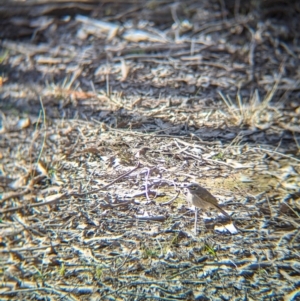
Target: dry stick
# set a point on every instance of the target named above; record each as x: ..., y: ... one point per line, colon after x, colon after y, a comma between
x: 45, y: 126
x: 109, y: 184
x: 28, y: 249
x: 277, y: 153
x: 200, y: 266
x: 30, y: 229
x: 58, y: 197
x: 146, y: 186
x: 294, y: 223
x: 14, y: 194
x: 196, y: 217
x: 62, y: 295
x: 53, y: 201
x: 201, y: 159
x: 120, y: 266
x: 154, y: 134
x: 294, y: 238
x: 251, y: 52
x: 157, y: 218
x: 293, y: 210
x: 113, y: 205
x: 271, y: 214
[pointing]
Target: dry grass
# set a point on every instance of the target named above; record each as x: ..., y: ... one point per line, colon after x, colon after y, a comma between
x: 95, y: 151
x: 58, y: 234
x: 253, y: 113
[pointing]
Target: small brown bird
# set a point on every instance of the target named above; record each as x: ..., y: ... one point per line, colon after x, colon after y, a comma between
x: 202, y: 198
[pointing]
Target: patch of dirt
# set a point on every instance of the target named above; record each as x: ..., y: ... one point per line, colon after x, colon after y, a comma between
x: 109, y: 110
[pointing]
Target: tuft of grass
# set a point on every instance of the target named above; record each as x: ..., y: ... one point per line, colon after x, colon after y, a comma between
x: 40, y: 275
x: 3, y: 56
x: 253, y: 113
x: 52, y: 172
x: 62, y: 270
x: 219, y: 156
x: 175, y: 240
x: 98, y: 272
x: 149, y: 253
x: 210, y: 250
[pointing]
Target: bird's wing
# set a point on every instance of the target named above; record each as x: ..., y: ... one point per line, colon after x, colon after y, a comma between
x: 208, y: 197
x: 211, y: 199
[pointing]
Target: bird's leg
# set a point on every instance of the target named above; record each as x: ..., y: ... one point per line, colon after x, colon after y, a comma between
x: 195, y: 226
x: 203, y: 226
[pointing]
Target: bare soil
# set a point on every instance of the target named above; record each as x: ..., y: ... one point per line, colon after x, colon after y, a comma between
x: 108, y: 110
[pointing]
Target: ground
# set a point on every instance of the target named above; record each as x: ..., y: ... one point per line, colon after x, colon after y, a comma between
x: 108, y: 110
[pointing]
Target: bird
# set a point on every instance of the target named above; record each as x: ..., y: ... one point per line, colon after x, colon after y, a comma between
x: 202, y: 198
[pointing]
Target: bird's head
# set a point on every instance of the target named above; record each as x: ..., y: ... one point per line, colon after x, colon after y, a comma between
x: 193, y: 187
